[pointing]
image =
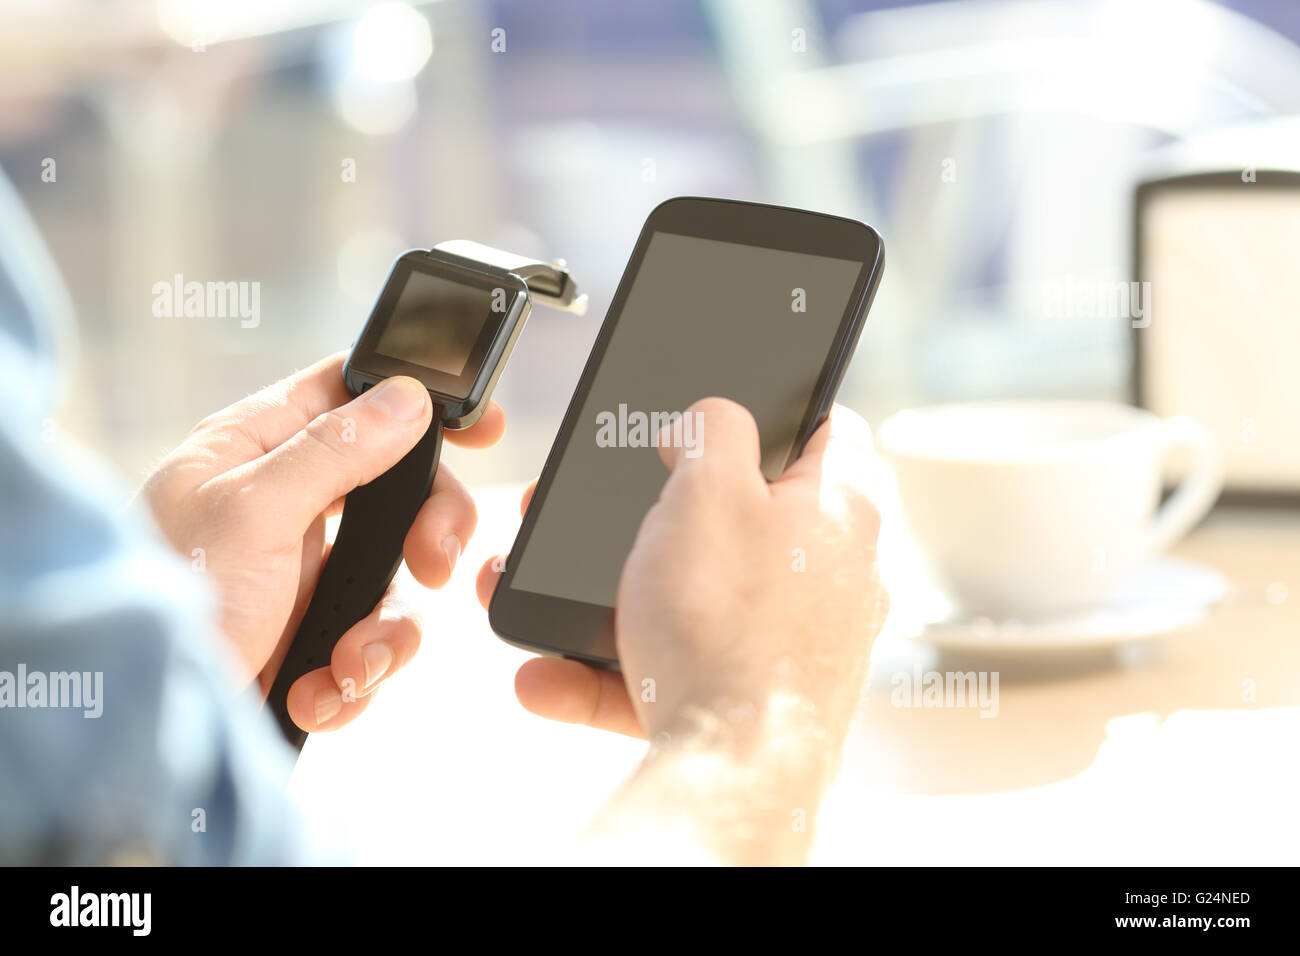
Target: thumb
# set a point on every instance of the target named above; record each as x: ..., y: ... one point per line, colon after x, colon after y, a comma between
x: 341, y: 449
x: 716, y: 437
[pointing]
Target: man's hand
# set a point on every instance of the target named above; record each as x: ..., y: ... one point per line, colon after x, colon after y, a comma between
x: 745, y: 617
x: 245, y: 498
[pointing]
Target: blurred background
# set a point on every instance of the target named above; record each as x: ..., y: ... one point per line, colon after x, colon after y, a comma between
x: 303, y: 145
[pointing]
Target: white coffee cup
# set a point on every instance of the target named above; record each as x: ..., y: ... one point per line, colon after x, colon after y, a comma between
x: 1024, y: 508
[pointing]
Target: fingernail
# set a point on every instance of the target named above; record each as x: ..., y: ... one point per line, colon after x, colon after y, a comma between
x: 451, y: 548
x: 401, y: 398
x: 378, y: 658
x: 328, y: 703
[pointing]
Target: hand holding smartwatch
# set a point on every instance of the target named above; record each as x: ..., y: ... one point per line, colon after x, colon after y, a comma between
x: 449, y: 318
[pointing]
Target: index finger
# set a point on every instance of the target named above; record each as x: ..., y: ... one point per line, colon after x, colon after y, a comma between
x: 484, y: 433
x: 276, y: 413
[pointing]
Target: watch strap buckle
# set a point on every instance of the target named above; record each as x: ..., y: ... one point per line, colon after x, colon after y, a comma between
x: 549, y: 282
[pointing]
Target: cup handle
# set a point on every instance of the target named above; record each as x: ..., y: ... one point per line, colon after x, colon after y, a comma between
x: 1199, y: 489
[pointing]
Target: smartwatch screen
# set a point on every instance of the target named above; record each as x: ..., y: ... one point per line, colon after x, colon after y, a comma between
x: 435, y: 323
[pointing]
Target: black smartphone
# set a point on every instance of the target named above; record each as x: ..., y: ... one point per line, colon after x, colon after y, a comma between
x: 760, y: 304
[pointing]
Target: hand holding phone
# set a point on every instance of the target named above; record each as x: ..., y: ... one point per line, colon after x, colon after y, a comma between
x: 746, y: 614
x: 740, y: 592
x: 757, y: 304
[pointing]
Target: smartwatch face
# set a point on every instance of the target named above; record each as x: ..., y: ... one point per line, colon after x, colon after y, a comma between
x: 438, y: 323
x: 435, y: 323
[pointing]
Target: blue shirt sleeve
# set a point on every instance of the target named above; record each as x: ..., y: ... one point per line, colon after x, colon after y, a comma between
x: 122, y: 737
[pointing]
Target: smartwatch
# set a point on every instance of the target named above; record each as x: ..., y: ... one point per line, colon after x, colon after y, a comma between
x: 449, y: 318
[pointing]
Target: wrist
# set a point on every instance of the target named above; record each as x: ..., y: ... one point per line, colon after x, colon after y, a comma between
x: 735, y: 780
x: 780, y: 733
x: 786, y: 714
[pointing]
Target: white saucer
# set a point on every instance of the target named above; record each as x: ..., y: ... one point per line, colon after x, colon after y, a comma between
x: 1161, y: 597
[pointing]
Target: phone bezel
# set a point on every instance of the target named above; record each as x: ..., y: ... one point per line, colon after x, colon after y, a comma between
x: 548, y: 624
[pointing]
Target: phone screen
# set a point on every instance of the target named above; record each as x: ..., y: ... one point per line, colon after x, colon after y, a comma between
x: 703, y: 317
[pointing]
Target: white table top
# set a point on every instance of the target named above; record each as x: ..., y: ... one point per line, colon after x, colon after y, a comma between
x: 1146, y: 757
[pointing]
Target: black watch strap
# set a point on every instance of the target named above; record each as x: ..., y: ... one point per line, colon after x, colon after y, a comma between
x: 366, y: 554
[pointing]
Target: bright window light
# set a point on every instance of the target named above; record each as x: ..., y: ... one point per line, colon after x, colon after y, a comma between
x: 391, y: 42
